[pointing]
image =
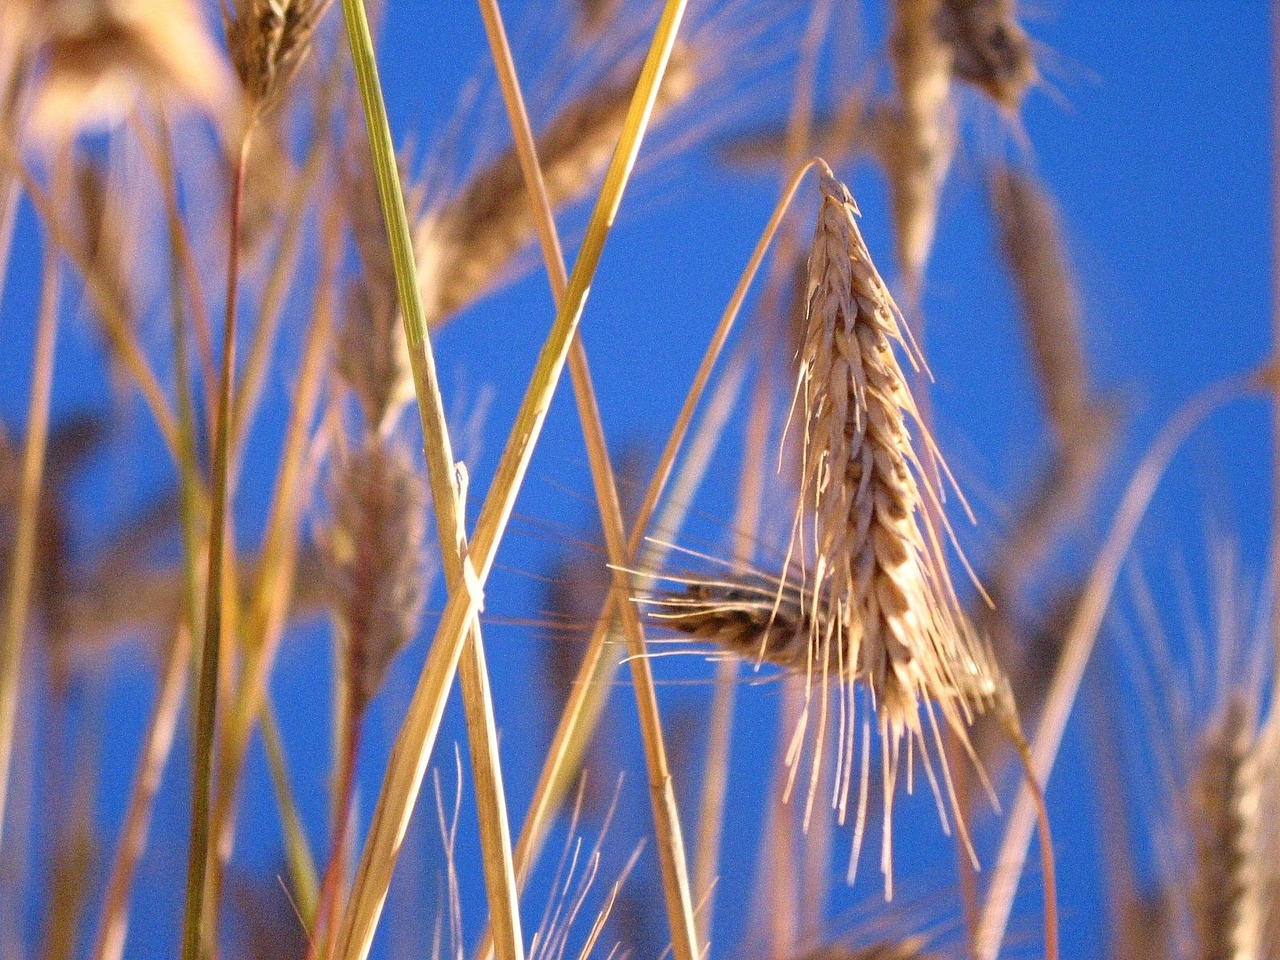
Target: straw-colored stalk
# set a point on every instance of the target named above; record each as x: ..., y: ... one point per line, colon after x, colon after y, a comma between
x: 113, y: 927
x: 199, y: 905
x: 592, y: 684
x: 16, y: 608
x: 917, y: 147
x: 284, y: 579
x: 662, y: 795
x: 418, y: 732
x: 120, y: 332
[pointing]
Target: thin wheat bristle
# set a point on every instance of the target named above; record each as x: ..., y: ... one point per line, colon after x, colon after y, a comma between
x: 917, y: 149
x: 1223, y: 805
x: 373, y: 554
x: 990, y: 49
x: 464, y: 247
x: 268, y: 41
x: 98, y: 57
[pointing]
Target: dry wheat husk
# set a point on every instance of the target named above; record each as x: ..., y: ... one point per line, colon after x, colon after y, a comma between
x: 917, y: 149
x: 876, y: 559
x: 269, y: 40
x: 98, y: 57
x: 373, y: 557
x: 1223, y: 805
x: 990, y: 50
x: 464, y: 247
x: 865, y: 598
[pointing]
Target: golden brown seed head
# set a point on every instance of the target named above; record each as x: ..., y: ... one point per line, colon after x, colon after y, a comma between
x: 97, y: 57
x: 877, y: 565
x: 991, y: 51
x: 464, y: 248
x: 917, y: 148
x: 269, y: 40
x: 1223, y: 805
x: 373, y: 555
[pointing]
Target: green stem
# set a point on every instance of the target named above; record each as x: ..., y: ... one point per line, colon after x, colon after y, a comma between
x: 207, y: 703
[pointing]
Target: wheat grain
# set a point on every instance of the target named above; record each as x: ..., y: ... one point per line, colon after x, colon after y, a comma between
x: 464, y: 247
x: 1223, y: 804
x: 99, y: 56
x: 374, y: 561
x: 990, y: 50
x: 916, y: 150
x: 268, y: 41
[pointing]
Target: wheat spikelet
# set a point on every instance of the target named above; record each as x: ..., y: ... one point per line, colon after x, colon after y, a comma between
x: 917, y: 149
x: 99, y: 56
x: 875, y: 558
x: 990, y: 49
x: 373, y: 552
x: 268, y: 41
x: 370, y: 351
x: 873, y: 562
x: 1223, y: 806
x: 873, y: 603
x: 464, y: 247
x: 1031, y: 242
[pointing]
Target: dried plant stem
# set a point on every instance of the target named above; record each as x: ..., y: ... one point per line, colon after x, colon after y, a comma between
x: 156, y: 747
x: 123, y: 338
x: 448, y: 498
x: 302, y: 863
x: 671, y: 852
x: 414, y: 743
x: 273, y: 589
x: 8, y: 221
x: 210, y: 658
x: 593, y: 683
x: 1078, y: 645
x: 799, y: 132
x: 283, y: 266
x: 577, y: 721
x: 22, y: 572
x: 159, y: 150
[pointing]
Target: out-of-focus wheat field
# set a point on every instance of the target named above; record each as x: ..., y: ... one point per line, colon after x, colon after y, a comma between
x: 1149, y: 130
